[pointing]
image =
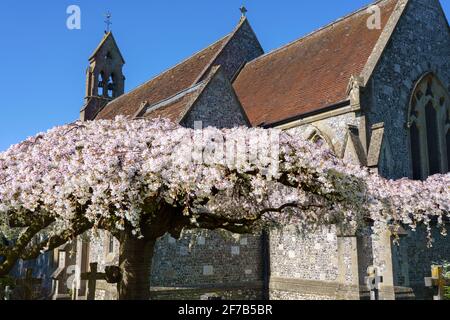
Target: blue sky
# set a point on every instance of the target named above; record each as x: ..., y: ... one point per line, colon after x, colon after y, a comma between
x: 43, y: 63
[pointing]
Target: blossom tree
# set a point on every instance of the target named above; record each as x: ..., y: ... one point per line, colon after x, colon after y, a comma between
x: 141, y: 179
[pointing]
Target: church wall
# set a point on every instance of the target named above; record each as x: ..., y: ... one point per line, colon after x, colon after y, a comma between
x: 201, y: 264
x: 242, y: 48
x: 204, y: 258
x: 217, y: 106
x: 320, y: 265
x: 303, y: 267
x: 420, y: 44
x: 316, y: 265
x: 312, y: 256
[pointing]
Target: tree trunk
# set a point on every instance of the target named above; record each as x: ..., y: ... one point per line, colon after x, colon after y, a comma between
x: 135, y: 262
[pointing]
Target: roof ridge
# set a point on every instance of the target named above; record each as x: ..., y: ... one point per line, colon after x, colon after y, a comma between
x: 106, y: 36
x: 286, y: 46
x: 214, y: 58
x: 167, y: 70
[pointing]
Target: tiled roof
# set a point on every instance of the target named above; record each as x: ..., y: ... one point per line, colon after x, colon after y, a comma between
x: 310, y: 73
x: 175, y: 107
x: 167, y: 84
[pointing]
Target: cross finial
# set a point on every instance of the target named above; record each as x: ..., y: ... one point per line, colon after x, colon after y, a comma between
x: 108, y: 22
x: 244, y: 11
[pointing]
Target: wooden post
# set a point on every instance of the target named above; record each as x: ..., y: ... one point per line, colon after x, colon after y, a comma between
x: 112, y: 275
x: 92, y: 277
x: 437, y: 281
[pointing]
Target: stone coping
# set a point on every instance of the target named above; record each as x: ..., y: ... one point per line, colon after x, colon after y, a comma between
x: 220, y: 287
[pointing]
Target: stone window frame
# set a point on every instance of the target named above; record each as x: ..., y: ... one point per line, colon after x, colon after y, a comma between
x: 317, y: 134
x: 443, y: 122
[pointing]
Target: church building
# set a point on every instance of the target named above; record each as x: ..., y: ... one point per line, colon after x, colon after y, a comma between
x: 377, y: 95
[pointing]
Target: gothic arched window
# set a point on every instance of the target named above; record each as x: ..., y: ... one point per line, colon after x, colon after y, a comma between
x: 429, y: 125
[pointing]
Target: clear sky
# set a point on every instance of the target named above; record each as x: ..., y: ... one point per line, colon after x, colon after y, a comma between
x: 43, y: 63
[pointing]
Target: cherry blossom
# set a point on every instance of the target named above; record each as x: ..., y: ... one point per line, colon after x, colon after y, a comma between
x: 130, y: 175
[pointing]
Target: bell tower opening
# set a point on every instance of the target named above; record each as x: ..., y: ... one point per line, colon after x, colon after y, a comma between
x: 101, y: 84
x: 111, y: 86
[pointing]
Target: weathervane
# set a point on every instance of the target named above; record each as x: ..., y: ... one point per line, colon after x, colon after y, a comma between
x: 108, y: 22
x: 244, y: 11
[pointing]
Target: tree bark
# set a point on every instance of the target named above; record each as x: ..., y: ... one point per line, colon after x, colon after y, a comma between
x: 135, y: 261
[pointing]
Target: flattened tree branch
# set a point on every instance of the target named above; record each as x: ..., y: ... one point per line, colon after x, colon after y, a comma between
x: 13, y: 253
x: 78, y: 228
x: 211, y: 222
x: 246, y: 224
x: 24, y: 219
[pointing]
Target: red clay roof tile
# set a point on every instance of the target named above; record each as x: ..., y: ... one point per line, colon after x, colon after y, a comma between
x: 176, y: 107
x: 310, y: 73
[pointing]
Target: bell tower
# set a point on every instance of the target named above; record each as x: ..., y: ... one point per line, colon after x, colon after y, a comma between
x: 104, y: 77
